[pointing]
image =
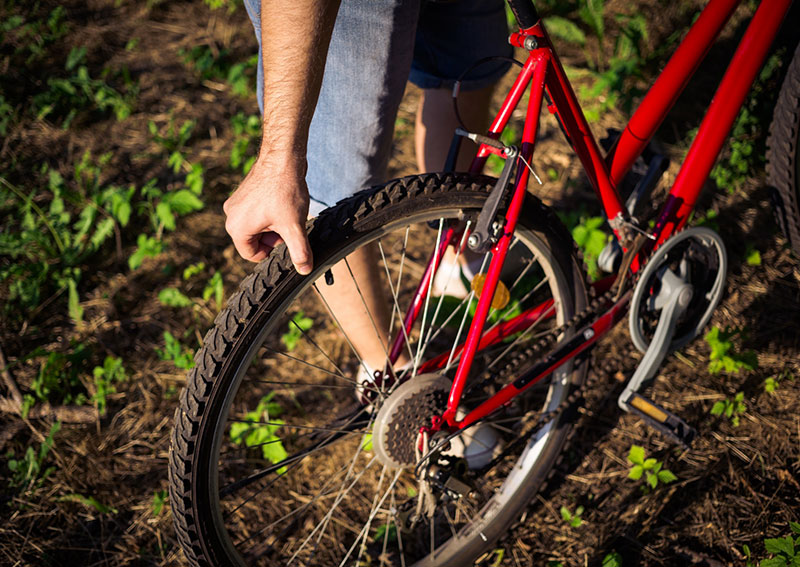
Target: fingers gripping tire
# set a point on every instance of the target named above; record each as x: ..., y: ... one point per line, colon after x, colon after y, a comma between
x: 271, y: 460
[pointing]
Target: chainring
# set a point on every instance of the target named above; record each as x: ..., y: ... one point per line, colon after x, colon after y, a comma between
x: 697, y: 255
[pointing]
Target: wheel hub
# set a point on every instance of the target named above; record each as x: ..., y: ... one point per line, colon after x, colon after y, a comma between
x: 409, y: 407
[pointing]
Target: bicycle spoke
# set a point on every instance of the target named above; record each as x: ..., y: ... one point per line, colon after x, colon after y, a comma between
x: 367, y: 309
x: 396, y: 305
x: 341, y: 329
x: 340, y: 375
x: 428, y: 296
x: 371, y: 517
x: 455, y: 268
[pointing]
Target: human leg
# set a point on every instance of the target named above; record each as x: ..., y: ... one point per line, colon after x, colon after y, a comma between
x: 350, y: 144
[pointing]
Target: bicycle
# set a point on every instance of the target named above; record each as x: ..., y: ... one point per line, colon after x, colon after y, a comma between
x: 280, y: 456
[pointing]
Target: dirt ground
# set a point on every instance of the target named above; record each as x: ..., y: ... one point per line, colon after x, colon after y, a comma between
x: 736, y: 486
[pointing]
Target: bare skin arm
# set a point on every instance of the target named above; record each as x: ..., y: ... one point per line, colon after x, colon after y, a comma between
x: 271, y: 204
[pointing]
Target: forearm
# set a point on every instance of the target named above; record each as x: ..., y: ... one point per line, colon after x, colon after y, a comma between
x: 295, y: 35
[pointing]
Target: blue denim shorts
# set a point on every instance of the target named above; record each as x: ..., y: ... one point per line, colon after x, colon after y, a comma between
x: 376, y: 46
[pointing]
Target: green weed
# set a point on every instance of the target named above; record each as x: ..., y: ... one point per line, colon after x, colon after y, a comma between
x: 297, y: 326
x: 159, y: 499
x: 612, y: 559
x: 785, y: 550
x: 172, y: 139
x: 723, y: 353
x: 258, y: 429
x: 752, y: 257
x: 246, y: 132
x: 105, y: 378
x: 27, y: 36
x: 29, y: 472
x: 387, y: 532
x: 208, y: 62
x: 146, y: 247
x: 66, y: 97
x: 192, y: 270
x: 771, y: 384
x: 88, y: 502
x: 53, y: 229
x: 180, y: 355
x: 588, y: 236
x: 172, y: 297
x: 730, y: 408
x: 214, y: 287
x: 650, y: 468
x: 59, y: 378
x: 573, y: 519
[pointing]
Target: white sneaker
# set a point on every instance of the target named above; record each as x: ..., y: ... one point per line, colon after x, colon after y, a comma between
x: 478, y: 445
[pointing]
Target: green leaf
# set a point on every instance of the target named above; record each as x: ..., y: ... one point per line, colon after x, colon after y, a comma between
x: 566, y: 515
x: 753, y: 258
x: 565, y: 30
x: 613, y: 559
x: 192, y: 270
x: 76, y: 56
x: 795, y: 527
x: 89, y: 502
x: 666, y: 476
x: 778, y: 545
x: 73, y: 305
x: 104, y: 229
x: 215, y: 287
x: 718, y: 408
x: 366, y: 442
x: 147, y: 247
x: 159, y: 499
x: 774, y: 562
x: 636, y: 472
x: 165, y: 215
x: 194, y: 179
x: 172, y: 297
x: 652, y: 480
x: 636, y: 455
x: 183, y: 201
x: 649, y: 464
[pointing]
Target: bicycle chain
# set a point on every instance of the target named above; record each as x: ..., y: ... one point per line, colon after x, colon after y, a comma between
x: 626, y: 280
x: 535, y: 350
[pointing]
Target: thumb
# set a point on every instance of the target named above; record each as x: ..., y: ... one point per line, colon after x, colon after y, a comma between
x: 296, y: 241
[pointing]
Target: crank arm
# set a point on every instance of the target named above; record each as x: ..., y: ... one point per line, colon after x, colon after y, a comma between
x: 677, y: 303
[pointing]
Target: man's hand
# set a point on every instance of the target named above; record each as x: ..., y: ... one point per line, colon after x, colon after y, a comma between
x: 270, y: 207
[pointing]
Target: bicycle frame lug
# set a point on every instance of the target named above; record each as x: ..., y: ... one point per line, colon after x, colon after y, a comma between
x: 531, y: 43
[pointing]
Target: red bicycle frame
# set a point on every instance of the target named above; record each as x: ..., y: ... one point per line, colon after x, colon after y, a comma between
x: 542, y: 72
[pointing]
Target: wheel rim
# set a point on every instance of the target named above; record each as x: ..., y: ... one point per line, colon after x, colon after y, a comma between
x: 322, y: 519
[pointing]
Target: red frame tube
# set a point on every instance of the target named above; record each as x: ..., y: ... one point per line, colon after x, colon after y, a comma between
x: 668, y: 86
x: 540, y: 67
x: 721, y: 114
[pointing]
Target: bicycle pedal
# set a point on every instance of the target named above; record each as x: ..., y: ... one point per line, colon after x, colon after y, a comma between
x: 661, y: 419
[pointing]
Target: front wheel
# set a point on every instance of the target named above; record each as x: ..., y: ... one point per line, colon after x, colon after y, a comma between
x: 272, y: 459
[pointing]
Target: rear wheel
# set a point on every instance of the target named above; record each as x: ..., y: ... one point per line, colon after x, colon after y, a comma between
x: 783, y: 155
x: 272, y: 459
